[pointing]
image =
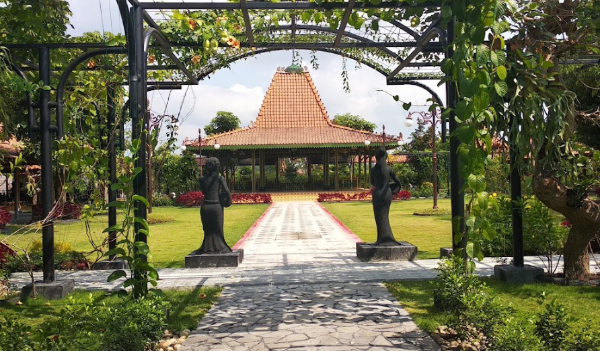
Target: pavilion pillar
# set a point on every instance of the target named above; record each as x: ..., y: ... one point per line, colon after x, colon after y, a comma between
x: 325, y: 169
x: 253, y: 174
x: 277, y: 173
x: 359, y: 178
x: 336, y: 170
x: 309, y: 173
x: 365, y: 169
x: 261, y: 169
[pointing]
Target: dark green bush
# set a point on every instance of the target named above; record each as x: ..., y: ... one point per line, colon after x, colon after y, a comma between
x: 163, y: 200
x: 552, y: 326
x: 135, y: 323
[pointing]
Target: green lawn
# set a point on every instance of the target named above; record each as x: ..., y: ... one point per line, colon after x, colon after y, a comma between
x: 169, y: 242
x: 427, y: 233
x: 582, y: 302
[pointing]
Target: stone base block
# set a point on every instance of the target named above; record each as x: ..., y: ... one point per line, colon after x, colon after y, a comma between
x: 371, y: 252
x: 446, y: 252
x: 52, y: 291
x: 106, y: 265
x: 520, y: 275
x: 231, y: 259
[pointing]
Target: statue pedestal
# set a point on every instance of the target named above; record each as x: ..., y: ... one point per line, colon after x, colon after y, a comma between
x: 55, y: 290
x: 107, y: 265
x: 519, y: 275
x: 371, y: 252
x: 230, y: 259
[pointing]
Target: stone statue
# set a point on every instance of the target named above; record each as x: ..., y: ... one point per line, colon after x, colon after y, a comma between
x: 381, y: 174
x: 216, y: 196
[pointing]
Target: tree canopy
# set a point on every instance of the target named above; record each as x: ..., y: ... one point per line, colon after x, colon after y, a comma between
x: 354, y: 121
x: 223, y: 122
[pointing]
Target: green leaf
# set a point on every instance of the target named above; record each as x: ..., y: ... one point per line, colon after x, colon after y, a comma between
x: 140, y: 199
x: 142, y: 247
x: 476, y: 182
x: 501, y: 88
x: 142, y: 221
x: 116, y: 275
x: 119, y: 251
x: 114, y: 228
x: 318, y: 17
x: 116, y: 186
x: 117, y: 204
x: 466, y: 134
x: 406, y: 106
x: 375, y: 2
x: 501, y: 72
x: 469, y: 249
x: 481, y: 101
x: 494, y: 58
x: 470, y: 222
x: 446, y: 12
x: 375, y: 25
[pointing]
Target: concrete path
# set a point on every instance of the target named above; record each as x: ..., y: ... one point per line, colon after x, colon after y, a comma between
x: 300, y: 287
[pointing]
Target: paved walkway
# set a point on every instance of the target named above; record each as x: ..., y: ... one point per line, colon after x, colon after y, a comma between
x: 300, y: 287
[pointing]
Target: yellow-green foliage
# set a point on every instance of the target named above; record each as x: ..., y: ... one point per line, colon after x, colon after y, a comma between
x: 154, y: 218
x: 59, y: 247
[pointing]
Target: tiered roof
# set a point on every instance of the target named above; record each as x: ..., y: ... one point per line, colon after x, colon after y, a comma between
x: 292, y: 115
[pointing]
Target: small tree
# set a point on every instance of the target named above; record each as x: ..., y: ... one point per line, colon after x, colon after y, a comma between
x: 354, y: 121
x: 223, y: 122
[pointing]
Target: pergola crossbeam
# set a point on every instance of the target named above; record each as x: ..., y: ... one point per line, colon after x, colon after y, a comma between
x: 284, y: 5
x: 247, y: 23
x: 340, y: 33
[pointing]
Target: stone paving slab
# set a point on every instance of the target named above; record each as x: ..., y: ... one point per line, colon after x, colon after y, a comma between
x: 346, y: 316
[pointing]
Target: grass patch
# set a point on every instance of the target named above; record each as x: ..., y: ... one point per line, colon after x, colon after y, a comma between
x: 427, y: 233
x: 582, y: 302
x: 184, y: 309
x: 169, y: 242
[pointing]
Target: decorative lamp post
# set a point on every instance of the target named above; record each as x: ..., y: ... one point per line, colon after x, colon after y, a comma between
x: 428, y: 117
x: 368, y: 154
x: 200, y: 149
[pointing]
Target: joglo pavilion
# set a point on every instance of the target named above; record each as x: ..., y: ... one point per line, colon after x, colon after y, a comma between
x: 293, y: 124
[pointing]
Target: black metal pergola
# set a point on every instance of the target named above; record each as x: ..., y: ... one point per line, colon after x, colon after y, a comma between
x: 397, y: 54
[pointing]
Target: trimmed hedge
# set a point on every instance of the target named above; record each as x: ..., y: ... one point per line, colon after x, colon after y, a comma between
x: 362, y: 196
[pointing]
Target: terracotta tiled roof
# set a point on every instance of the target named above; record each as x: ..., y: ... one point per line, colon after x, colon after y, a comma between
x: 292, y: 115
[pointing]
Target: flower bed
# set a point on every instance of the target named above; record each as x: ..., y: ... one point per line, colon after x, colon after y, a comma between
x: 361, y: 196
x: 67, y: 210
x: 195, y: 199
x: 5, y: 217
x: 5, y: 252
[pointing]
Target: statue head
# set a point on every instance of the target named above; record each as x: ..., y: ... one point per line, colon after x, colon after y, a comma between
x: 380, y: 154
x: 213, y: 164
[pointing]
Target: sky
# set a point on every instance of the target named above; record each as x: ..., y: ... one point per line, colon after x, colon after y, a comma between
x: 241, y: 88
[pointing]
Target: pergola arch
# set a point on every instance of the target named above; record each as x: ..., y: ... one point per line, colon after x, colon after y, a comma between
x: 135, y: 14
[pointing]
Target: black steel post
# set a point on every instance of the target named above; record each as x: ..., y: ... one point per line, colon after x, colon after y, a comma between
x: 456, y: 181
x: 515, y: 197
x: 47, y: 182
x: 112, y: 166
x: 137, y: 109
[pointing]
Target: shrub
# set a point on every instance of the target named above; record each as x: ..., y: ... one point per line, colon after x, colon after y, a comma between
x: 331, y: 197
x: 191, y: 199
x: 552, y: 326
x: 512, y: 335
x: 5, y: 218
x: 131, y: 326
x: 426, y: 189
x: 163, y: 200
x: 402, y: 195
x: 5, y: 252
x: 467, y: 298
